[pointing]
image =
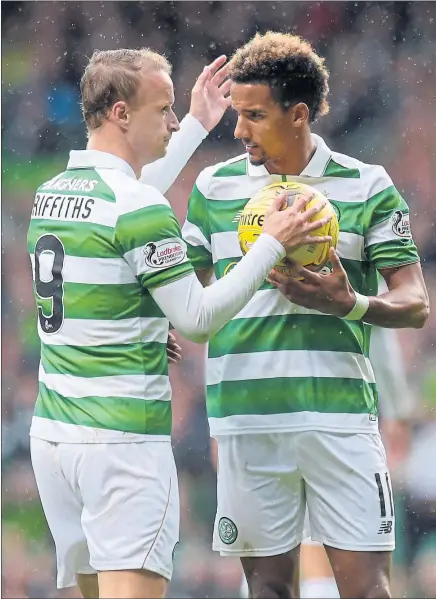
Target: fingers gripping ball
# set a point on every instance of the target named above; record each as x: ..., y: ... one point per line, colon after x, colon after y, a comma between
x: 312, y: 256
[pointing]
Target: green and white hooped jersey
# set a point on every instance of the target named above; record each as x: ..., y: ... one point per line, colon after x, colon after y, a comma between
x: 277, y: 366
x: 98, y: 239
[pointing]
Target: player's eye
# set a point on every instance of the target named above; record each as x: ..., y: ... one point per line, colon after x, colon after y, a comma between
x: 256, y: 116
x: 166, y: 109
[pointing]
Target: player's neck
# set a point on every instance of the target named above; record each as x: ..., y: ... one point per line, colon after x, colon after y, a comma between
x: 103, y: 141
x: 300, y: 153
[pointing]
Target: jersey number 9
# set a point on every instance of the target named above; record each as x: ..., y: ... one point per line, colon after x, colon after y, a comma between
x: 54, y: 288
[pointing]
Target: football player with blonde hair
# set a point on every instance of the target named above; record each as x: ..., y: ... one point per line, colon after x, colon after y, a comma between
x: 110, y: 273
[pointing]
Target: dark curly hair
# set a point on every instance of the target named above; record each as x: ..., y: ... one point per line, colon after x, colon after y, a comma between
x: 289, y: 66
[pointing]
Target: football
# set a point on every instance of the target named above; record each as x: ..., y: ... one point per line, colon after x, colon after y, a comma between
x: 312, y: 256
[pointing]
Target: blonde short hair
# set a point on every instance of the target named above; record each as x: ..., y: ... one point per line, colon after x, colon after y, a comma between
x: 113, y: 75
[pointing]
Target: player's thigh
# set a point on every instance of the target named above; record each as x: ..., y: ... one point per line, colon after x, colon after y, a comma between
x: 273, y: 577
x: 361, y: 574
x: 348, y: 490
x: 131, y: 584
x: 261, y: 502
x: 131, y: 507
x: 88, y: 585
x: 62, y: 508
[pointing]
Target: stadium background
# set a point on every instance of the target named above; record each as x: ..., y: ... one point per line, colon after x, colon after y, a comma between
x: 382, y: 58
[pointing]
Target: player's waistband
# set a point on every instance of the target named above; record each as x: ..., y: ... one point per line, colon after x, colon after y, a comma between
x: 239, y: 424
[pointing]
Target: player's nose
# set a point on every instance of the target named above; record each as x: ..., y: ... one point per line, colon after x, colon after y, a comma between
x: 241, y: 131
x: 173, y: 124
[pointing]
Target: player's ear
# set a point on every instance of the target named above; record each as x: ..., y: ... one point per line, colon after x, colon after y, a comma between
x: 300, y: 114
x: 120, y: 113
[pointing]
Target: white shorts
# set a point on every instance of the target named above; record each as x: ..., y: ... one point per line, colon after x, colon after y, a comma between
x: 265, y: 480
x: 109, y: 506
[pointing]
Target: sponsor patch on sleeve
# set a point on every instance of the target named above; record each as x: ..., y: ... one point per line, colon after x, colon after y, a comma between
x: 401, y: 224
x: 165, y: 253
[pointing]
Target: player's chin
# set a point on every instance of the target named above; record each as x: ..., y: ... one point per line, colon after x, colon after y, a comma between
x: 257, y: 160
x: 162, y: 151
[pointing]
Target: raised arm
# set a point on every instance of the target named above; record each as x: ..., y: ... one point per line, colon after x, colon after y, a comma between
x: 209, y: 101
x: 162, y: 173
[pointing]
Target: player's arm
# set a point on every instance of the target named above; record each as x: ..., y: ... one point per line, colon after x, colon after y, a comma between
x: 151, y: 242
x: 149, y: 239
x: 209, y: 101
x: 162, y: 173
x: 405, y: 305
x: 390, y: 248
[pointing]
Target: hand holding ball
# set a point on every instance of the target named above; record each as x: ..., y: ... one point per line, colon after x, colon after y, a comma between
x: 315, y: 225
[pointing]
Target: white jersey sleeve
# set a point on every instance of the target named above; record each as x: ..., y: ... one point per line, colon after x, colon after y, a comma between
x: 150, y: 241
x: 162, y: 173
x: 199, y: 313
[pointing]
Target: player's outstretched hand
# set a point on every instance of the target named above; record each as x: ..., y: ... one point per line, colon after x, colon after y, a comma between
x: 210, y: 94
x: 174, y: 351
x: 329, y: 293
x: 292, y: 225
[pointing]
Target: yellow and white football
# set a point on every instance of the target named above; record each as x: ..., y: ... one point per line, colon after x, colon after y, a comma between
x: 312, y: 256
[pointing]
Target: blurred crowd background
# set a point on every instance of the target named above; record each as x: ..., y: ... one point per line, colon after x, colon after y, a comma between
x: 382, y: 59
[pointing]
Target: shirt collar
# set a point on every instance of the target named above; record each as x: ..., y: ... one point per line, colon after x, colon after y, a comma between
x: 315, y: 168
x: 97, y: 159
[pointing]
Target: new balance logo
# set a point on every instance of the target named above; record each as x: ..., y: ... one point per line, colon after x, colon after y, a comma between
x: 385, y: 527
